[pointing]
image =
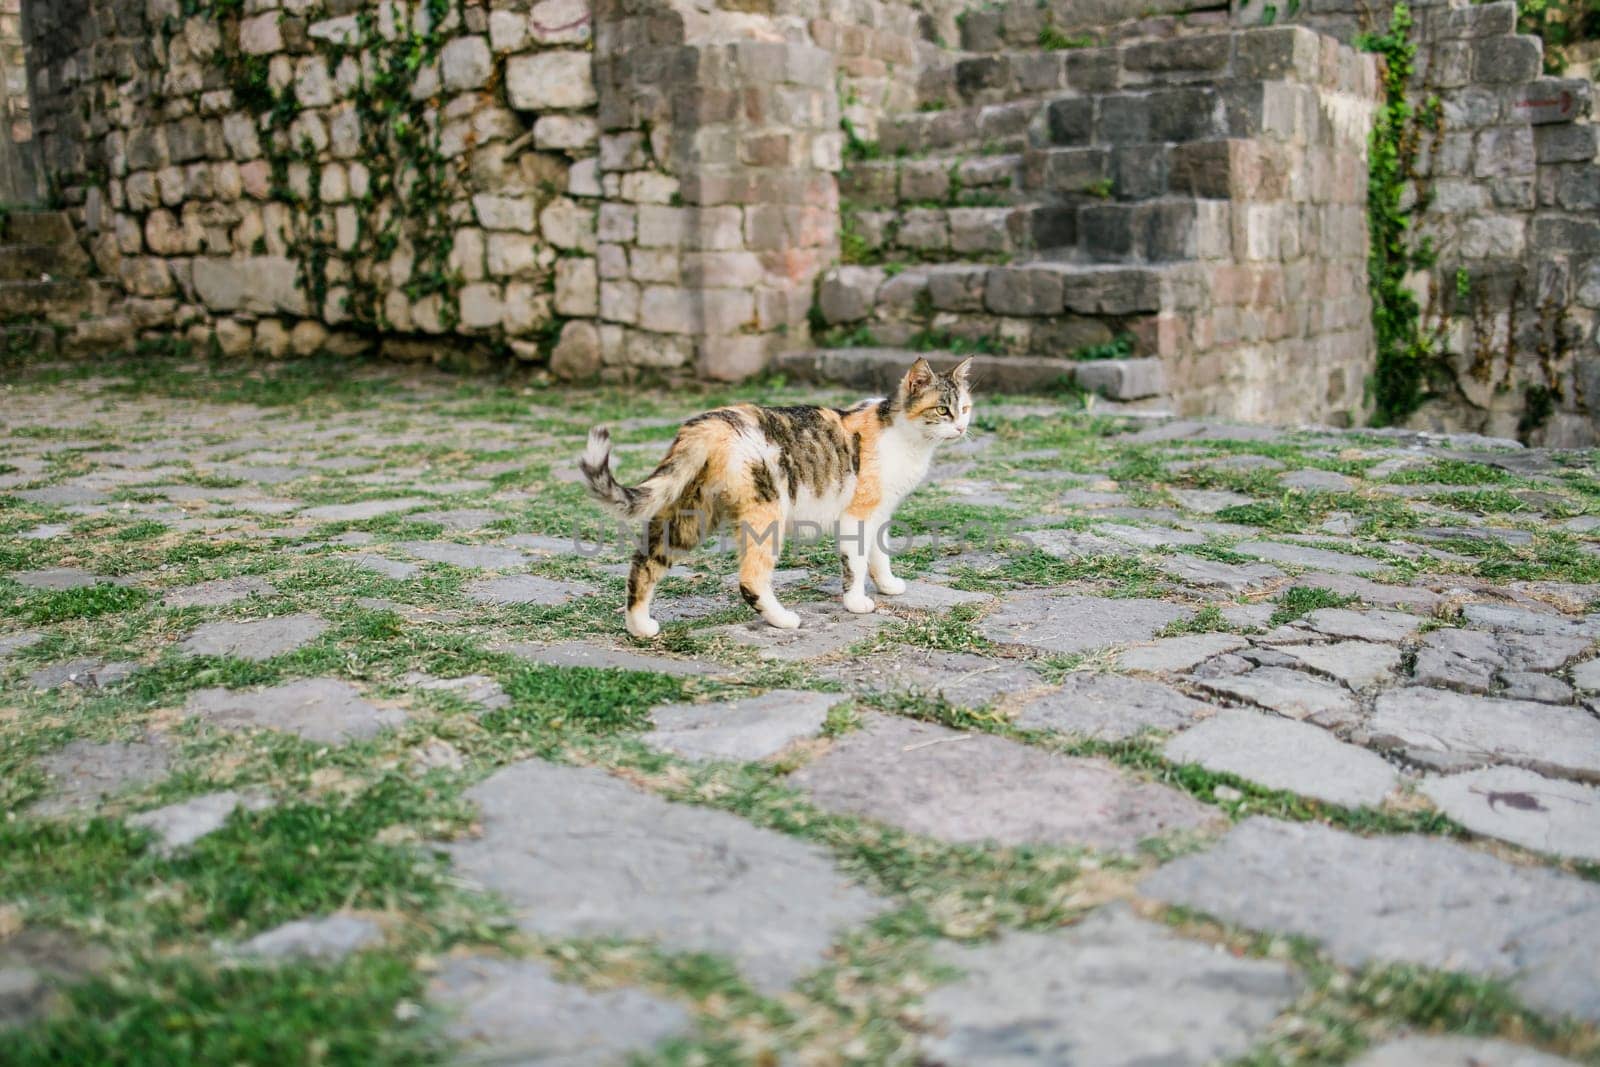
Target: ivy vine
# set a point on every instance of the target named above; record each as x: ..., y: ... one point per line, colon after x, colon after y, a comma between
x: 411, y: 184
x: 1407, y: 352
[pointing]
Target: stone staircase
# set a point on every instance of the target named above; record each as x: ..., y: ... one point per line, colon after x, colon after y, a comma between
x: 1050, y: 209
x: 49, y: 302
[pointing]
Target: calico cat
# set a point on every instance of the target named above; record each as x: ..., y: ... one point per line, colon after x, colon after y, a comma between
x: 764, y: 469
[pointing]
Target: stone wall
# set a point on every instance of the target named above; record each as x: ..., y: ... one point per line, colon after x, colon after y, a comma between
x: 18, y: 170
x: 1508, y: 183
x: 1512, y: 188
x: 652, y: 187
x: 277, y: 171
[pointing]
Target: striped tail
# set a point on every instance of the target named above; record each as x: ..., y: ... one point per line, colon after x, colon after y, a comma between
x: 650, y: 496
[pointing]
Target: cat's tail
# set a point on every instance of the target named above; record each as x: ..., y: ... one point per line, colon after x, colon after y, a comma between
x: 664, y: 485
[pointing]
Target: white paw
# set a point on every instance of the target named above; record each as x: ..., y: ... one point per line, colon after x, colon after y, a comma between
x: 859, y: 603
x: 644, y: 627
x: 783, y: 618
x: 890, y: 586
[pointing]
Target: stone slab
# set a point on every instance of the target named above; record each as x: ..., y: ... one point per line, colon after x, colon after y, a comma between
x: 1372, y: 592
x: 1402, y: 899
x: 461, y: 520
x: 1283, y: 754
x: 1528, y: 621
x: 1066, y: 624
x: 55, y: 579
x: 318, y: 709
x: 1293, y: 694
x: 1363, y: 625
x: 1528, y: 809
x: 479, y: 689
x: 584, y: 654
x: 1586, y: 676
x: 752, y: 728
x: 366, y: 509
x: 975, y: 787
x: 961, y: 678
x: 1315, y: 559
x: 1315, y: 480
x: 37, y: 964
x: 177, y: 826
x: 217, y: 593
x: 1112, y: 991
x: 577, y: 853
x: 11, y: 644
x: 393, y: 569
x: 1453, y: 731
x: 83, y: 673
x: 1358, y: 664
x: 255, y: 639
x: 1109, y: 707
x: 1209, y: 501
x: 474, y: 557
x: 1213, y: 574
x: 327, y: 939
x: 825, y: 628
x: 1449, y: 1050
x: 1150, y: 536
x: 524, y: 589
x: 930, y: 596
x: 81, y: 774
x: 1174, y: 654
x: 509, y: 1010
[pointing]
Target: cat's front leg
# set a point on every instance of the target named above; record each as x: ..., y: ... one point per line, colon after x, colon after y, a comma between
x: 878, y: 563
x: 855, y: 534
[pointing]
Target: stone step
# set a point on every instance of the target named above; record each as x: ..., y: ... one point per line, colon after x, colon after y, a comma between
x: 1245, y: 83
x: 1082, y: 228
x: 63, y: 301
x: 954, y: 180
x: 880, y: 369
x: 1040, y: 308
x: 987, y: 129
x: 37, y: 228
x: 33, y: 262
x: 28, y: 339
x: 1031, y: 24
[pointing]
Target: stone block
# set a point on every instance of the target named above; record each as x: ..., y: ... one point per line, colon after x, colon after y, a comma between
x: 466, y: 63
x: 1549, y: 100
x: 577, y: 287
x: 260, y: 35
x: 1566, y: 144
x: 550, y: 81
x: 1122, y: 379
x: 1507, y: 59
x: 1277, y: 52
x: 504, y: 212
x: 848, y: 293
x: 1023, y: 291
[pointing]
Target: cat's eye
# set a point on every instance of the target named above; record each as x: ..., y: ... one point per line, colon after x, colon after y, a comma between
x: 943, y: 412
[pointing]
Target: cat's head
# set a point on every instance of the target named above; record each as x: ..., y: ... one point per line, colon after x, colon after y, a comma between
x: 938, y: 405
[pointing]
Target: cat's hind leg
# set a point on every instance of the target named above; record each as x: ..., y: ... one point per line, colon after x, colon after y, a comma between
x: 650, y: 563
x: 760, y: 535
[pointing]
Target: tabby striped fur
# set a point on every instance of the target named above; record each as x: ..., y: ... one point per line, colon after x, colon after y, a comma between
x: 761, y: 470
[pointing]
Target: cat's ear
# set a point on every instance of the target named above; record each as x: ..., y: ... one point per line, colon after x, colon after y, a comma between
x: 918, y: 378
x: 959, y: 374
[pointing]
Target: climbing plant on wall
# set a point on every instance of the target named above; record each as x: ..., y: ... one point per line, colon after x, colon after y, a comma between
x: 1407, y: 352
x: 402, y: 206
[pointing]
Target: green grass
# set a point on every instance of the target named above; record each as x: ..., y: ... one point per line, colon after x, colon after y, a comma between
x: 1301, y: 600
x: 191, y: 1011
x: 358, y: 825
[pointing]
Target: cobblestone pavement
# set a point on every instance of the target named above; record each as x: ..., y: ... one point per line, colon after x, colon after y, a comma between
x: 321, y: 741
